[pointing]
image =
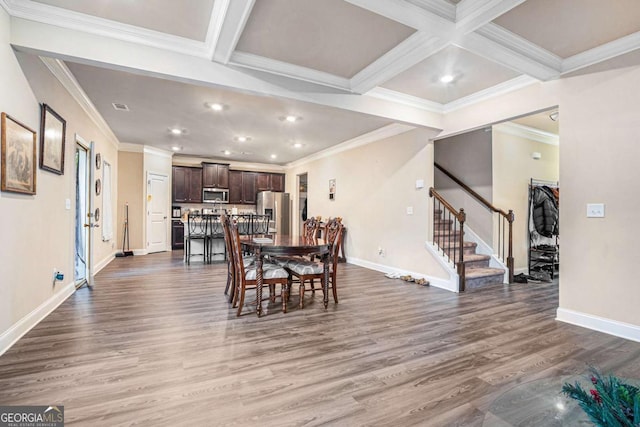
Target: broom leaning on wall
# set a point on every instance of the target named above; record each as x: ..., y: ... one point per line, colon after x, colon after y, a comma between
x: 125, y: 236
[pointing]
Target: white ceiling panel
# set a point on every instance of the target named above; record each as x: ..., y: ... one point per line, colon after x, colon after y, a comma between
x: 569, y: 27
x: 332, y: 36
x: 156, y: 105
x: 189, y: 19
x: 471, y: 73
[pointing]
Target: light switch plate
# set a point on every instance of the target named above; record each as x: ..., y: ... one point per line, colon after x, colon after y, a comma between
x: 595, y: 210
x: 419, y: 183
x: 67, y: 204
x: 409, y: 210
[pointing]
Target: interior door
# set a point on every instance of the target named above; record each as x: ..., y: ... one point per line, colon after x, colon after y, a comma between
x: 157, y: 212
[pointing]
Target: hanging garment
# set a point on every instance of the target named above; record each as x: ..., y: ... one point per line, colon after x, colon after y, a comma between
x: 545, y: 211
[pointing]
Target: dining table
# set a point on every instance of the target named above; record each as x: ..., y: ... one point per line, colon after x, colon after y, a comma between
x: 278, y: 245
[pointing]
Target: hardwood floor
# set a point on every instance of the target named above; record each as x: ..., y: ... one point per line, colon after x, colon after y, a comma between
x: 155, y: 343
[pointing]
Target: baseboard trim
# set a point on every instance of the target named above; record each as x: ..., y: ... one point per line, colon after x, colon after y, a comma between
x: 103, y: 263
x: 140, y: 252
x: 24, y: 325
x: 600, y: 324
x: 433, y: 281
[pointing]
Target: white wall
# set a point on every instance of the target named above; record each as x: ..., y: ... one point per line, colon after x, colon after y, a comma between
x: 37, y: 231
x: 468, y: 157
x: 600, y: 124
x: 375, y: 184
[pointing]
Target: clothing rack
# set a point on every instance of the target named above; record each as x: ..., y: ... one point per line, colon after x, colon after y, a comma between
x: 544, y: 251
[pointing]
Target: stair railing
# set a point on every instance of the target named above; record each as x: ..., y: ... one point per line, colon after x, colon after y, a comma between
x: 505, y: 220
x: 448, y: 233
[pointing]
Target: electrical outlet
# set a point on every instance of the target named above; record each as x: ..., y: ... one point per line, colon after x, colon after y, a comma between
x: 381, y: 251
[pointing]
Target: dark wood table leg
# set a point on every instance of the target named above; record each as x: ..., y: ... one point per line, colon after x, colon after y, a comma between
x: 259, y: 273
x: 325, y: 284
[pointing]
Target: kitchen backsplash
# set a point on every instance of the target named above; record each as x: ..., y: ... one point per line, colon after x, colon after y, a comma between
x: 242, y: 209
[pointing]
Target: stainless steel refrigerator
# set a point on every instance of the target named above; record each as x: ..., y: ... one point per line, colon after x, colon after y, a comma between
x: 276, y: 205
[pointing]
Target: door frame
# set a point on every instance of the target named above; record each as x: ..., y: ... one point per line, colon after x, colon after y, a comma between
x: 88, y: 148
x: 167, y: 243
x: 298, y: 220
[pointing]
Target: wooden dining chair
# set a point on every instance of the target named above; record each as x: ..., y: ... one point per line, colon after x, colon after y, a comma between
x: 308, y: 271
x: 246, y: 276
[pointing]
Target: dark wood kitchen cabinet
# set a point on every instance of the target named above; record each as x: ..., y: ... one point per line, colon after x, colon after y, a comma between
x: 215, y: 175
x: 242, y: 187
x: 269, y: 181
x: 186, y: 184
x: 177, y: 234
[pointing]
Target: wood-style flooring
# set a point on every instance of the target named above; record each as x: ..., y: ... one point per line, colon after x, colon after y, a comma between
x: 154, y: 343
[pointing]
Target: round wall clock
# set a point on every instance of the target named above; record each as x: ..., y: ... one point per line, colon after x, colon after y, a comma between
x: 98, y: 186
x: 98, y: 161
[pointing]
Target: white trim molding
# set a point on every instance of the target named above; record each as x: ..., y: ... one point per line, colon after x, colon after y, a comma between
x: 367, y: 138
x: 131, y: 148
x: 601, y: 53
x: 433, y: 281
x: 28, y: 322
x: 157, y: 152
x: 103, y: 263
x: 491, y: 92
x: 409, y: 100
x: 600, y: 324
x: 453, y: 284
x: 229, y: 27
x: 528, y: 133
x: 66, y: 78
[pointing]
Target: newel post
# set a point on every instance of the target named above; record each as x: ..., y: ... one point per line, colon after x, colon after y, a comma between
x: 462, y: 217
x: 511, y: 217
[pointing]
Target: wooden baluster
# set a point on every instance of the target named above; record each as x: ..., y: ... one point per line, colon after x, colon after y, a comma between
x: 510, y: 265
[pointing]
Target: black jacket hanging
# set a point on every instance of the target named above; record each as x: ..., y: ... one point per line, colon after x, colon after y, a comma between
x: 545, y: 211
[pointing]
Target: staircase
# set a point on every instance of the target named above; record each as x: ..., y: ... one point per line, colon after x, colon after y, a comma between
x: 477, y: 271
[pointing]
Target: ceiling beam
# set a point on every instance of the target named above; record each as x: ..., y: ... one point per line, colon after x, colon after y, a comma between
x: 472, y: 15
x: 410, y: 52
x: 103, y: 51
x: 231, y: 25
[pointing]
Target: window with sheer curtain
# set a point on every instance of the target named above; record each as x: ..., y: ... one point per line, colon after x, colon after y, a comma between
x: 107, y: 204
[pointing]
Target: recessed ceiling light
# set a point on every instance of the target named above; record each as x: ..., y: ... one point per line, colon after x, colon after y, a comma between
x: 297, y: 145
x: 176, y: 148
x: 447, y: 78
x: 273, y: 156
x: 227, y: 152
x: 216, y: 107
x: 242, y: 138
x: 177, y: 131
x: 291, y: 119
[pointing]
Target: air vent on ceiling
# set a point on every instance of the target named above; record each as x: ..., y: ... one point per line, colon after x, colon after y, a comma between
x: 120, y: 107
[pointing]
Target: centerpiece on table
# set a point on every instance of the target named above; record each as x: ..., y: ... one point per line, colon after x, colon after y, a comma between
x: 609, y: 402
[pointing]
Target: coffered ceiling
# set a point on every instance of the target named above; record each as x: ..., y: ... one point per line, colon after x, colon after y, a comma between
x: 365, y: 64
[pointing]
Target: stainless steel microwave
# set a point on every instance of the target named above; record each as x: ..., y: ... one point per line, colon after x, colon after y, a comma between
x: 215, y: 195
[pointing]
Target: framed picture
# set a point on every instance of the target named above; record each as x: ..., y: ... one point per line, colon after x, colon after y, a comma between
x: 18, y: 157
x: 52, y: 135
x: 332, y: 189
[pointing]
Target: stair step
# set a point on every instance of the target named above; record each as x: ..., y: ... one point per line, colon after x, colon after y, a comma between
x: 481, y: 277
x: 445, y: 233
x: 450, y: 247
x: 476, y: 261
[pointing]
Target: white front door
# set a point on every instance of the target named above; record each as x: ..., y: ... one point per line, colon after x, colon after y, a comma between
x: 157, y: 212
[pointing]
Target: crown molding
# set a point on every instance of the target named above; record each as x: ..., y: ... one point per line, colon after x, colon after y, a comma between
x: 528, y: 132
x: 472, y: 15
x: 496, y: 52
x: 367, y: 138
x: 601, y: 53
x: 261, y: 63
x: 157, y: 152
x: 64, y: 18
x: 404, y: 99
x: 131, y: 148
x: 521, y: 45
x: 405, y: 55
x: 5, y: 6
x: 491, y: 92
x: 442, y: 8
x: 66, y: 78
x: 234, y: 15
